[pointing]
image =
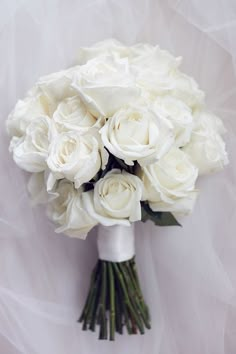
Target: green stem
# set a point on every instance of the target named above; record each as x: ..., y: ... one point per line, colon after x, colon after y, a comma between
x: 127, y: 300
x: 91, y: 294
x: 102, y: 304
x: 136, y: 294
x: 115, y: 288
x: 132, y: 289
x: 123, y: 307
x: 118, y: 315
x: 94, y: 305
x: 135, y: 273
x: 112, y: 301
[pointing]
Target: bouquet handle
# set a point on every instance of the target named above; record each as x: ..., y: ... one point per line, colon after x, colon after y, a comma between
x: 115, y: 296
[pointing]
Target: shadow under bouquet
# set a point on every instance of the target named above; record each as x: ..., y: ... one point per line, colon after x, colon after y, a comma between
x: 118, y: 138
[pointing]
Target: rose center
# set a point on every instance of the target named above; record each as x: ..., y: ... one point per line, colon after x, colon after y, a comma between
x: 133, y: 130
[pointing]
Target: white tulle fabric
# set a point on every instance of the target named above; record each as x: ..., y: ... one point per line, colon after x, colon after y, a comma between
x: 188, y: 274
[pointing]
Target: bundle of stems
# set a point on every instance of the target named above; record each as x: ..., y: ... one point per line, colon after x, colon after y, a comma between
x: 115, y: 300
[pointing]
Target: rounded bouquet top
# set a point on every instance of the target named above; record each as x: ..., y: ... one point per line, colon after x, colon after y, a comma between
x: 118, y: 138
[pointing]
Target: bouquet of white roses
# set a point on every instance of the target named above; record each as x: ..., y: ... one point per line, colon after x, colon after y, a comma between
x: 121, y: 137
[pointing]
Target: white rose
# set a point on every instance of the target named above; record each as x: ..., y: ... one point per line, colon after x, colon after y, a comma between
x: 207, y: 153
x: 24, y: 113
x: 68, y: 211
x: 153, y: 68
x: 142, y: 54
x: 105, y: 85
x: 37, y: 188
x: 137, y: 133
x: 206, y: 123
x: 115, y: 199
x: 169, y: 183
x: 179, y: 114
x: 77, y: 157
x: 55, y: 87
x: 186, y: 89
x: 106, y: 47
x: 72, y: 114
x: 30, y: 152
x: 58, y: 85
x: 140, y: 51
x: 206, y: 147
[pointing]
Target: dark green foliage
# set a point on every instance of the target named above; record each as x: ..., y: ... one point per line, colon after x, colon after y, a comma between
x: 159, y: 218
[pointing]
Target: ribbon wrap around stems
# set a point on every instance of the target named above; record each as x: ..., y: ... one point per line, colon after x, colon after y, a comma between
x: 116, y: 243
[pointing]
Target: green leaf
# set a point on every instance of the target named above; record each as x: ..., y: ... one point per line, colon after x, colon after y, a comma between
x: 159, y: 218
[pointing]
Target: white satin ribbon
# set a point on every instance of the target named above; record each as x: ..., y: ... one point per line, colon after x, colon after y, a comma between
x: 115, y: 243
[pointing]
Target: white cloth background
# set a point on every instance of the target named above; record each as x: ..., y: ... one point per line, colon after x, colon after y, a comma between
x: 188, y: 274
